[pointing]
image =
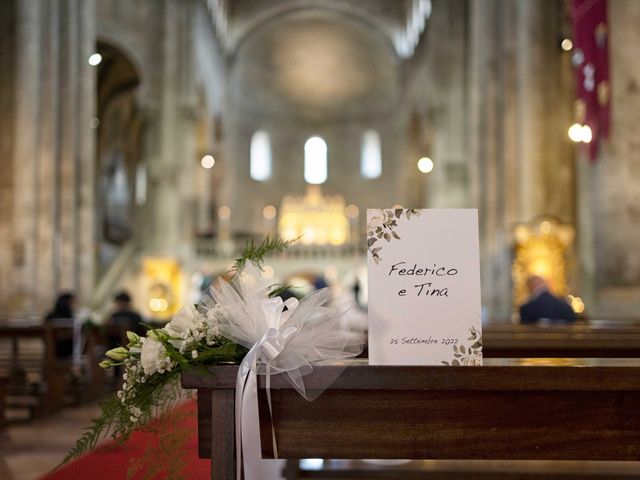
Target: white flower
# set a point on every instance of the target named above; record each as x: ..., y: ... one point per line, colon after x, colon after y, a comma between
x: 182, y: 322
x: 118, y: 354
x: 194, y: 354
x: 153, y: 356
x: 211, y: 317
x: 133, y: 337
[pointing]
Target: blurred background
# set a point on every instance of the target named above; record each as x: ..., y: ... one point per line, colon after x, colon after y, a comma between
x: 143, y: 144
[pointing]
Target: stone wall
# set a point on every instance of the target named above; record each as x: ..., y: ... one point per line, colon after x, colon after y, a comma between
x: 612, y: 207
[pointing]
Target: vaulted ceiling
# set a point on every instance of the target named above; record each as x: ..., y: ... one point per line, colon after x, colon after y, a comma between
x: 319, y: 58
x: 400, y: 21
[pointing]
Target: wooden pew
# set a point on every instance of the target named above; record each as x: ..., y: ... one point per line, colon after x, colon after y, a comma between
x: 553, y: 410
x: 460, y: 470
x: 597, y: 340
x: 4, y: 382
x: 23, y: 362
x: 40, y: 381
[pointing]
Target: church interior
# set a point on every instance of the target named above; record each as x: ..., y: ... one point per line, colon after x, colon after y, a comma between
x: 145, y: 143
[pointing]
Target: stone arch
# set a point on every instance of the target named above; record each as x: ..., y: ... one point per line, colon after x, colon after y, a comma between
x: 126, y: 51
x: 118, y: 128
x: 342, y: 11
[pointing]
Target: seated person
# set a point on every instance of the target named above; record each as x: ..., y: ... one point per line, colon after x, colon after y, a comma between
x: 543, y: 304
x: 124, y: 318
x: 63, y: 314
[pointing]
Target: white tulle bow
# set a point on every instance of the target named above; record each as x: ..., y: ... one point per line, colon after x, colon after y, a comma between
x: 283, y: 337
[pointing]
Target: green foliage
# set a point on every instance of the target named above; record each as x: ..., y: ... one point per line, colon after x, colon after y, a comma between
x: 115, y: 419
x: 153, y: 394
x: 278, y: 289
x: 227, y: 352
x: 166, y: 451
x: 255, y: 253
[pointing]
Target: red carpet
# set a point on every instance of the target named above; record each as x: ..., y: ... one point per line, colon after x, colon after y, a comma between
x: 111, y: 461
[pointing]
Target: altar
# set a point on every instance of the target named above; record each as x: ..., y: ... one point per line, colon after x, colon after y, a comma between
x: 508, y: 410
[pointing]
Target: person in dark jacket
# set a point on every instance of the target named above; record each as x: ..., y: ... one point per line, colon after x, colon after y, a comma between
x: 63, y: 309
x: 125, y: 317
x: 543, y: 305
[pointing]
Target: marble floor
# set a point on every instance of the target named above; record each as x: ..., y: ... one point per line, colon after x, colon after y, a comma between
x: 30, y: 450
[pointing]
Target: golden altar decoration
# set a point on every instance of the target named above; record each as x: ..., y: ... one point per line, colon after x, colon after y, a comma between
x: 162, y: 279
x: 543, y: 247
x: 316, y: 218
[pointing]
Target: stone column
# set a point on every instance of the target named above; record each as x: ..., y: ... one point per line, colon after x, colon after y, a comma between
x: 170, y: 167
x: 485, y: 142
x: 48, y: 270
x: 8, y: 60
x: 85, y: 153
x: 448, y: 181
x: 519, y: 110
x: 24, y: 284
x: 611, y: 220
x: 55, y: 93
x: 67, y: 224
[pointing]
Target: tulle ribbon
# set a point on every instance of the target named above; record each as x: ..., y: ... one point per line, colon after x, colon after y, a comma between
x: 283, y: 337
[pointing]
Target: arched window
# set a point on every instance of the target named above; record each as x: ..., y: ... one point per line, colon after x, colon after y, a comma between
x: 370, y: 156
x: 315, y: 161
x: 260, y: 156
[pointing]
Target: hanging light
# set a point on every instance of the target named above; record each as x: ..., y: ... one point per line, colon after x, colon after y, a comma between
x: 575, y: 132
x: 95, y: 59
x: 425, y: 164
x: 580, y: 133
x: 566, y: 44
x: 208, y: 162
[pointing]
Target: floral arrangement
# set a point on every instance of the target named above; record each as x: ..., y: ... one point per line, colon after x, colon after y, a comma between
x: 153, y: 363
x: 240, y: 322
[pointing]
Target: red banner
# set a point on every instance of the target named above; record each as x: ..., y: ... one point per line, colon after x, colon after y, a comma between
x: 591, y: 61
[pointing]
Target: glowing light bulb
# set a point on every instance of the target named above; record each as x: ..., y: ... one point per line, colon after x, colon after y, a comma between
x: 269, y: 212
x: 208, y: 161
x: 425, y: 164
x: 575, y: 132
x: 95, y: 59
x: 566, y: 44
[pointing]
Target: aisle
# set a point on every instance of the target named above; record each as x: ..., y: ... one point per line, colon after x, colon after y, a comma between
x: 30, y: 451
x: 113, y: 461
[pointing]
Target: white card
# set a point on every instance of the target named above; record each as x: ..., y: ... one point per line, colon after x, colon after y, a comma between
x: 424, y: 287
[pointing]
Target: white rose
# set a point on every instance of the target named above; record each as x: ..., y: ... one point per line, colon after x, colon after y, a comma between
x: 184, y: 320
x: 152, y: 356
